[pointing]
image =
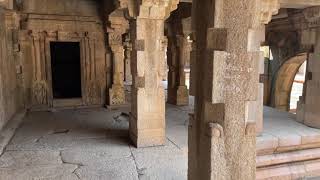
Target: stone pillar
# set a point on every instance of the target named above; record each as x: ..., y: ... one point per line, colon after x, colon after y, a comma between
x: 308, y: 107
x: 118, y: 27
x: 147, y: 121
x: 222, y: 130
x: 127, y: 61
x: 178, y: 53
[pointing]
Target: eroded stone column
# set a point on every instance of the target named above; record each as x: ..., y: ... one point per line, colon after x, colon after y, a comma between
x: 147, y: 122
x: 118, y: 27
x: 222, y: 131
x: 308, y: 110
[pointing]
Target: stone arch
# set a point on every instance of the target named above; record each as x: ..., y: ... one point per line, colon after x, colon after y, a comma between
x: 284, y: 81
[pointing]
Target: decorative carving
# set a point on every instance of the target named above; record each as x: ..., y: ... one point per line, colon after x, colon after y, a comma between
x: 312, y: 15
x: 139, y: 82
x: 40, y: 89
x: 93, y: 95
x: 267, y: 9
x: 251, y: 129
x: 215, y: 130
x: 115, y: 39
x: 117, y: 95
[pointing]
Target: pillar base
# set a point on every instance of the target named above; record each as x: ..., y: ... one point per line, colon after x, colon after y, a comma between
x: 146, y: 137
x: 180, y: 97
x: 115, y: 107
x: 117, y: 96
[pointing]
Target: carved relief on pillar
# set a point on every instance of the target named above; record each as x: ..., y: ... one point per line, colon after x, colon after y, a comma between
x: 39, y: 83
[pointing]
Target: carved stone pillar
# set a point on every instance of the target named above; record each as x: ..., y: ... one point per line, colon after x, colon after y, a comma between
x: 308, y: 107
x: 147, y: 121
x: 222, y: 130
x: 178, y: 53
x: 127, y: 61
x: 119, y: 26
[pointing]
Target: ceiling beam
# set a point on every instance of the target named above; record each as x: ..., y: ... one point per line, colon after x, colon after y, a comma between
x: 299, y: 4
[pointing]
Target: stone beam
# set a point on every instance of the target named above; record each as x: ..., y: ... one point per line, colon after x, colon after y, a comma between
x: 298, y: 4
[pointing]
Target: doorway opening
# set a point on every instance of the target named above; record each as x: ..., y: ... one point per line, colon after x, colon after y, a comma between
x: 66, y: 70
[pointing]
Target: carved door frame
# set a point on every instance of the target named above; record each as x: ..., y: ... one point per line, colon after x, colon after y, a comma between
x: 66, y: 37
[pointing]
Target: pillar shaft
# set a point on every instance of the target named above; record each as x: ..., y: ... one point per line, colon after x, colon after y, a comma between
x: 308, y: 106
x: 308, y: 111
x: 227, y: 56
x: 117, y: 93
x: 118, y: 27
x: 147, y: 122
x: 127, y: 52
x: 177, y: 55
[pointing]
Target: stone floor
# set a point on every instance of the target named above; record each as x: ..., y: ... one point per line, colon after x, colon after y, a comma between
x: 93, y: 144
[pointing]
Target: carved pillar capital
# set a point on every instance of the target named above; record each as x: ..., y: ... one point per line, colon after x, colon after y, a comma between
x: 267, y: 9
x: 118, y: 22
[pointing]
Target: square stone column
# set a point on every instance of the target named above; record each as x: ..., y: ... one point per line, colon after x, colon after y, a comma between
x: 147, y: 122
x: 308, y: 107
x: 308, y: 111
x: 148, y: 66
x: 222, y: 130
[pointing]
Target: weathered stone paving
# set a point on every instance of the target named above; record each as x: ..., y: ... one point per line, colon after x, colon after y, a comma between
x: 92, y: 144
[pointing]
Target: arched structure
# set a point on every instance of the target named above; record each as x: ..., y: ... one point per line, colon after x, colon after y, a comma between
x: 284, y: 81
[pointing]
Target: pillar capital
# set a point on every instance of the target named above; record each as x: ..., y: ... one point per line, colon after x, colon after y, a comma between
x: 267, y: 9
x: 118, y: 22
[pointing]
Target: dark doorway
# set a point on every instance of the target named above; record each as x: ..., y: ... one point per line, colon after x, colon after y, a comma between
x: 66, y: 69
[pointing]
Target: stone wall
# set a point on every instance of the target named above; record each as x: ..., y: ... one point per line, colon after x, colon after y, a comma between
x: 63, y: 21
x: 65, y: 7
x: 10, y: 78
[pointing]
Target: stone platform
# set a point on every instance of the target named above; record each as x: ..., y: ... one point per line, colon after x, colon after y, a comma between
x: 94, y: 144
x: 287, y: 149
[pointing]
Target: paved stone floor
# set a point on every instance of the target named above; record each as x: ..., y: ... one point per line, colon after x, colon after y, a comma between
x: 93, y: 144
